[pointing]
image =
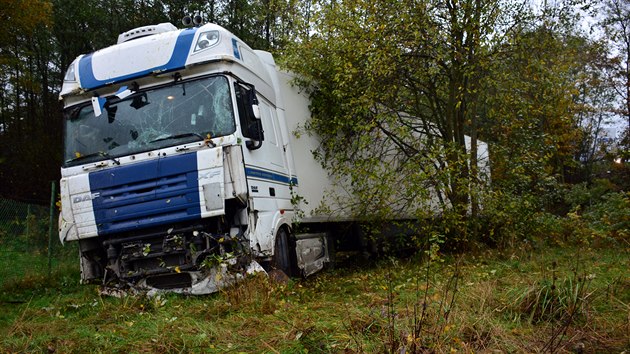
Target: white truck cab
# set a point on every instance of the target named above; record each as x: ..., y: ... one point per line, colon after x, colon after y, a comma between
x: 179, y: 161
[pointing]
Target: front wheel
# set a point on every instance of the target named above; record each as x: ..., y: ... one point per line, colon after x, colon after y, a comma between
x: 284, y: 254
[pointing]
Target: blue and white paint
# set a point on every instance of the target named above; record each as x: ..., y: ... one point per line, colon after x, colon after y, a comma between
x: 170, y: 53
x: 143, y: 194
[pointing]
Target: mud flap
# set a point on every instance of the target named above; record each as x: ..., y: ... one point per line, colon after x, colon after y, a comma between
x: 312, y: 252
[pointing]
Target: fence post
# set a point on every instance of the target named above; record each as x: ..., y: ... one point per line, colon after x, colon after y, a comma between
x: 28, y: 224
x: 50, y: 224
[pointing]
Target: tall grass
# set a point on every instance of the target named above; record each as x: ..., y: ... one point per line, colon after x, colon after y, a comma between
x: 537, y: 296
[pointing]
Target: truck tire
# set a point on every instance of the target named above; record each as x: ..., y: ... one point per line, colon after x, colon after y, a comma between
x: 282, y: 258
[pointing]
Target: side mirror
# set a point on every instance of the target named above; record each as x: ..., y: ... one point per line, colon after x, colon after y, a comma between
x: 249, y: 115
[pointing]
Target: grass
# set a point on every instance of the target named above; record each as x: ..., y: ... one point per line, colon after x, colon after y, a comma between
x: 482, y: 302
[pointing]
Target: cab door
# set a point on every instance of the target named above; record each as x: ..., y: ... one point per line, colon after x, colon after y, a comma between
x: 266, y: 171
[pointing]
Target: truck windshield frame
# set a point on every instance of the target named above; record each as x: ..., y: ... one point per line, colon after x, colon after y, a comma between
x: 159, y: 117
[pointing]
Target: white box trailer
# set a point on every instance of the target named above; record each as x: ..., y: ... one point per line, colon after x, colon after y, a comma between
x: 316, y: 183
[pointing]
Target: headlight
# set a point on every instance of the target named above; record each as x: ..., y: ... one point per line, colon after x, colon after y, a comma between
x: 207, y: 40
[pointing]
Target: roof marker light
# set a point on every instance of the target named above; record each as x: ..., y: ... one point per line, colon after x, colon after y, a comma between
x: 71, y: 74
x: 206, y: 40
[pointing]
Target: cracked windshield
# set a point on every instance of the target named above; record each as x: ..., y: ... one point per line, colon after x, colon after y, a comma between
x: 148, y: 120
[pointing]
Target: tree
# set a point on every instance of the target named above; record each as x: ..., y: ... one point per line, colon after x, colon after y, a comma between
x: 616, y: 25
x: 25, y: 92
x: 395, y: 87
x: 544, y: 107
x: 19, y: 16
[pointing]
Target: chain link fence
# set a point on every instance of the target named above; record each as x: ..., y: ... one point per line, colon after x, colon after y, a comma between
x: 29, y: 245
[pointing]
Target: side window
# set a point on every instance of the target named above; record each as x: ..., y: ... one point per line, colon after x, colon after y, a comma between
x: 267, y: 120
x: 250, y: 126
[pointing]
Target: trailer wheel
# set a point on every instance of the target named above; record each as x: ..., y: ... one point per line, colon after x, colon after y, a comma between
x: 282, y: 258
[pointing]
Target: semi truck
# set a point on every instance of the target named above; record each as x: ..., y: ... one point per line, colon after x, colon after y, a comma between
x: 181, y: 167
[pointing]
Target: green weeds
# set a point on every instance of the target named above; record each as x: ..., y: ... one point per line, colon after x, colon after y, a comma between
x: 487, y: 301
x: 564, y: 289
x: 554, y: 299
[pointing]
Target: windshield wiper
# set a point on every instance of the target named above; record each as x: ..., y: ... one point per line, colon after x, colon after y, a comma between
x: 177, y: 136
x: 99, y: 153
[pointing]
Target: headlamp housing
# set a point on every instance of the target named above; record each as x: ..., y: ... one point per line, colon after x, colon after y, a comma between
x: 206, y: 40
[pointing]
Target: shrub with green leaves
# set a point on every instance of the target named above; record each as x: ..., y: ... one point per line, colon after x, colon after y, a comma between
x: 583, y: 195
x: 611, y: 216
x: 509, y: 218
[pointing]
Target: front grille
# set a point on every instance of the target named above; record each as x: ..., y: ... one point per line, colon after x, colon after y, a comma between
x: 146, y: 194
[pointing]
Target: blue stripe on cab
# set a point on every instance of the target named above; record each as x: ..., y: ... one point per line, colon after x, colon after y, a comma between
x: 271, y: 176
x: 237, y: 54
x: 177, y: 61
x: 146, y: 194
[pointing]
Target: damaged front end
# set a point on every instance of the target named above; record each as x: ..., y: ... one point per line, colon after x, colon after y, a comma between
x: 182, y: 260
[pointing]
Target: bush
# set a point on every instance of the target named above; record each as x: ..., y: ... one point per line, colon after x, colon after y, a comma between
x: 582, y: 195
x: 611, y: 216
x: 510, y: 219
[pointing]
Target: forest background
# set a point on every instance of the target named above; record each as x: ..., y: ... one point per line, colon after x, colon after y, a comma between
x: 540, y: 83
